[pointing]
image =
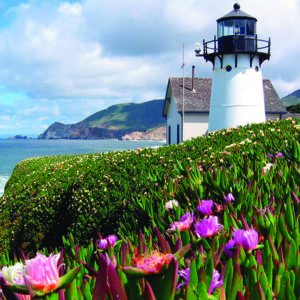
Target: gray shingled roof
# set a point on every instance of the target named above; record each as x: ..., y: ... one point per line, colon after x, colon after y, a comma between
x: 273, y: 103
x: 199, y: 100
x: 291, y: 115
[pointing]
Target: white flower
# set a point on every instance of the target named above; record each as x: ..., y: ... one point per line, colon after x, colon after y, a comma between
x: 267, y: 167
x: 170, y: 204
x: 14, y: 274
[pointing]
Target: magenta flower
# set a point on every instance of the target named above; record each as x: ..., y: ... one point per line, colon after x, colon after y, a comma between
x: 205, y: 207
x: 103, y: 242
x: 228, y: 248
x: 277, y: 155
x: 247, y: 238
x: 238, y: 235
x: 215, y: 282
x: 43, y: 273
x: 187, y: 217
x: 185, y: 222
x: 186, y: 276
x: 230, y: 198
x: 208, y: 227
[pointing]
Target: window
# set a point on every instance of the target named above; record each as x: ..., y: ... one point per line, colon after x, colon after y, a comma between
x: 228, y: 27
x: 220, y: 29
x: 250, y: 25
x: 178, y: 134
x: 228, y: 68
x: 169, y: 134
x: 240, y: 27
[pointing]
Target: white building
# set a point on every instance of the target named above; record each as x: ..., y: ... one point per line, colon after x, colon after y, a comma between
x: 197, y: 95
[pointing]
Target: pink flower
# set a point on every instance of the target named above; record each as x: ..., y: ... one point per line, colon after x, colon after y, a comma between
x: 248, y: 238
x: 230, y: 198
x: 103, y: 242
x: 43, y: 272
x: 208, y: 227
x: 185, y: 222
x: 215, y: 282
x: 277, y: 155
x: 205, y: 207
x: 228, y: 248
x: 186, y: 276
x: 152, y: 264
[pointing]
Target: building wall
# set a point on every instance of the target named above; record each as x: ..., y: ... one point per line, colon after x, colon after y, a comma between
x: 195, y: 125
x: 173, y: 123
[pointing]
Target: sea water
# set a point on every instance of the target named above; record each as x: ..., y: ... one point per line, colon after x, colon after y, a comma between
x: 14, y: 151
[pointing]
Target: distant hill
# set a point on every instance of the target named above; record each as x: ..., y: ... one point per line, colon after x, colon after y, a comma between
x: 291, y: 99
x: 112, y: 123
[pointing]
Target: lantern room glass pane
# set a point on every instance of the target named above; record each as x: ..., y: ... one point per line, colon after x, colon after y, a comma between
x: 250, y: 26
x: 220, y: 29
x: 240, y: 27
x: 228, y: 27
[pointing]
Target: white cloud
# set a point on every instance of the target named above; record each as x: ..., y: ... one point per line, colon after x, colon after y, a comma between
x: 3, y: 126
x: 70, y: 9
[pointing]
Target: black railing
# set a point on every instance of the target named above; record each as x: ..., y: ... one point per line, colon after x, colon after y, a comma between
x: 236, y: 44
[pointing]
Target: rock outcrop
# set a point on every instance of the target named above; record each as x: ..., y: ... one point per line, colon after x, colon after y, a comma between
x: 158, y: 134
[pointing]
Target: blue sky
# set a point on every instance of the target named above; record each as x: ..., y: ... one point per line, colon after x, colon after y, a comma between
x: 64, y: 60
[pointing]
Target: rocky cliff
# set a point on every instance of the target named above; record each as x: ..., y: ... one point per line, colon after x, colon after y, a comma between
x: 80, y: 131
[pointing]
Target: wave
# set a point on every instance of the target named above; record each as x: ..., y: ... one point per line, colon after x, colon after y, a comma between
x: 3, y: 180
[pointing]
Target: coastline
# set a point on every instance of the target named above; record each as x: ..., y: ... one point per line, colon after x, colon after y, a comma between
x: 12, y: 151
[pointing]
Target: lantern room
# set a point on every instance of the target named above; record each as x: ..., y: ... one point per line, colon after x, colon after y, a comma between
x: 236, y: 31
x: 237, y: 96
x: 236, y: 34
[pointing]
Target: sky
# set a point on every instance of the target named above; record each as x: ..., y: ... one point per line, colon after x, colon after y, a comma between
x: 61, y: 61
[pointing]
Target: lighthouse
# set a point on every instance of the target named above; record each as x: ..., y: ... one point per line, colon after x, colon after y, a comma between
x: 237, y: 55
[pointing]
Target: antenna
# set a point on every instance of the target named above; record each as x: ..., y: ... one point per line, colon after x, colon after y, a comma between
x: 182, y: 67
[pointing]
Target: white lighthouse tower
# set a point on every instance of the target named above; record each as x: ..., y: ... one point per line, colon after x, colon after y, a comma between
x: 237, y: 96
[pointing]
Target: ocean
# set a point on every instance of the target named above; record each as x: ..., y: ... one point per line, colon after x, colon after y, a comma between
x: 14, y: 151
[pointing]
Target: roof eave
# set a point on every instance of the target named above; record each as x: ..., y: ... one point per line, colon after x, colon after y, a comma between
x: 167, y: 101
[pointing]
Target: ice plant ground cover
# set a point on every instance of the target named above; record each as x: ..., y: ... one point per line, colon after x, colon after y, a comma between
x: 250, y: 238
x: 50, y: 197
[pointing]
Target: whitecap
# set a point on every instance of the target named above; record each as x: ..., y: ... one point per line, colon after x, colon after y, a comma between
x: 3, y: 180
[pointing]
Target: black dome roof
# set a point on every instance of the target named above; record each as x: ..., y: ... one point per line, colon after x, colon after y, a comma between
x: 236, y: 13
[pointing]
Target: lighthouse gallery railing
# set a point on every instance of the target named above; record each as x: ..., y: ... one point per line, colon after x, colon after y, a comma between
x: 236, y: 44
